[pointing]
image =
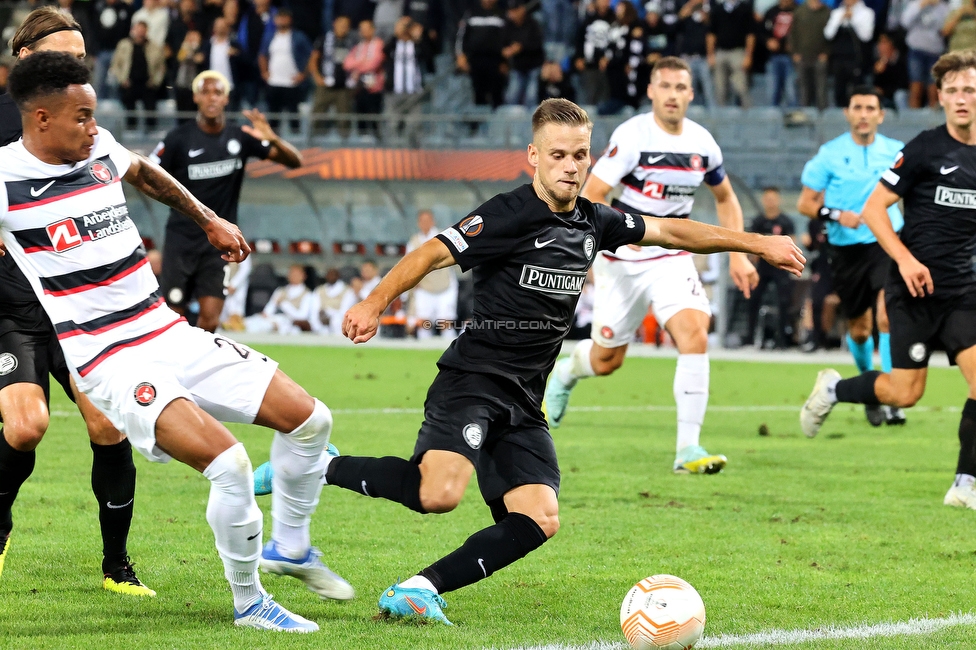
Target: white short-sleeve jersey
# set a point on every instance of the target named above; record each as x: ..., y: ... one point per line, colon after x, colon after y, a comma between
x: 660, y: 172
x: 68, y: 229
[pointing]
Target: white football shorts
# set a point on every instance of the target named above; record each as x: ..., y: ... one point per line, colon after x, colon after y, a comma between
x: 133, y: 386
x: 668, y: 284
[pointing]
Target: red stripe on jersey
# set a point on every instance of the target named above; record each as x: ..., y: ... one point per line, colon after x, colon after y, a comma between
x: 112, y: 349
x: 103, y: 283
x: 156, y: 305
x: 34, y: 204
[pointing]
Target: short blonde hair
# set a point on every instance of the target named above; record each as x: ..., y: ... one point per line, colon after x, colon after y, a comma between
x: 559, y: 111
x: 956, y: 61
x: 198, y: 81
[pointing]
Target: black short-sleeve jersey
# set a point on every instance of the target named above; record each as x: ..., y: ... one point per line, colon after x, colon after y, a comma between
x: 936, y: 176
x: 14, y: 287
x: 211, y: 167
x: 529, y: 266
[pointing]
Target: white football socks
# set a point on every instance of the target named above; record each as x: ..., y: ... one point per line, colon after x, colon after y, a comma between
x: 418, y: 582
x: 236, y: 522
x: 577, y: 366
x: 296, y: 459
x: 691, y: 397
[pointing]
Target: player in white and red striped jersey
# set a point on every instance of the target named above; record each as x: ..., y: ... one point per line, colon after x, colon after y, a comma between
x: 164, y: 384
x: 660, y: 158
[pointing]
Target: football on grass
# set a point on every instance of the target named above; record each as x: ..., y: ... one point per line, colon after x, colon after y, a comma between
x: 662, y: 612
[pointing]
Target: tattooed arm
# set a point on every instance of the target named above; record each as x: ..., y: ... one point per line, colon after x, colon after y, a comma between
x: 153, y: 181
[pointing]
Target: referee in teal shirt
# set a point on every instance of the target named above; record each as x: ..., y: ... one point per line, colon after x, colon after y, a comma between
x: 836, y: 185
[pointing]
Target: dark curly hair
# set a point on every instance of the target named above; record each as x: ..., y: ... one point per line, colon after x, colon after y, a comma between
x: 43, y: 74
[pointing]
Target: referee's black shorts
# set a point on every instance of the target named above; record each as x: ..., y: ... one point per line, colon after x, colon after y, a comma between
x: 29, y: 350
x: 920, y: 325
x: 191, y: 269
x: 859, y: 273
x: 492, y: 422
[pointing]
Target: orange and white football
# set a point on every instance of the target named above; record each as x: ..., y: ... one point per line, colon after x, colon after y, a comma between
x: 662, y: 613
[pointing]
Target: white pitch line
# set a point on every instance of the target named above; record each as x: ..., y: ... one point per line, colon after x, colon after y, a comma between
x: 913, y: 627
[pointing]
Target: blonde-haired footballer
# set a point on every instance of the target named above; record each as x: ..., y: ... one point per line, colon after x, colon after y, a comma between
x: 208, y: 157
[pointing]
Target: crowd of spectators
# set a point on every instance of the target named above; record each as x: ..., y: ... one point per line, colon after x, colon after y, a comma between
x: 378, y: 56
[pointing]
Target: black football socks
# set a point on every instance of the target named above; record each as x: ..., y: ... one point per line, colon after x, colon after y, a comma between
x: 967, y: 440
x: 15, y: 468
x: 485, y: 552
x: 113, y: 480
x: 389, y: 478
x: 859, y: 389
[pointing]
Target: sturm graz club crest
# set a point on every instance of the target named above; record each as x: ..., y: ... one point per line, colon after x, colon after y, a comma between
x: 589, y: 243
x: 8, y: 363
x: 473, y: 435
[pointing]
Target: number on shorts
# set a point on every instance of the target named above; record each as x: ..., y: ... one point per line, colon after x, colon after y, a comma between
x: 226, y: 278
x: 696, y: 286
x: 244, y: 352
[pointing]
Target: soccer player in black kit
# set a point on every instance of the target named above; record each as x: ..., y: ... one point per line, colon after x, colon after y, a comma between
x: 530, y: 250
x: 29, y: 352
x: 931, y: 289
x: 208, y: 157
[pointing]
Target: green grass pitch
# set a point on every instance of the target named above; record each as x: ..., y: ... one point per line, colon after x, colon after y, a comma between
x: 846, y: 529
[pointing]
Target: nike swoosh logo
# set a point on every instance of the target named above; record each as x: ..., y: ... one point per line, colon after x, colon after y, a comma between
x: 943, y: 171
x: 481, y: 563
x: 651, y: 161
x: 124, y: 505
x: 37, y: 193
x: 364, y: 490
x: 193, y: 153
x: 420, y: 610
x: 540, y: 244
x: 253, y: 536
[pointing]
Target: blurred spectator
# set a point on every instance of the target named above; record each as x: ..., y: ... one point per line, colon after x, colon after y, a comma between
x: 284, y: 61
x: 523, y: 51
x: 256, y: 23
x: 385, y: 18
x: 307, y: 17
x: 779, y: 65
x: 811, y: 52
x: 404, y: 76
x: 434, y: 300
x: 364, y: 64
x: 658, y: 43
x: 691, y: 45
x: 960, y: 27
x: 669, y: 11
x: 822, y: 304
x: 592, y: 41
x: 235, y: 304
x: 553, y: 83
x: 82, y: 16
x: 480, y: 53
x: 289, y: 311
x: 849, y: 30
x: 190, y: 62
x: 113, y: 20
x: 890, y: 72
x: 156, y: 16
x: 923, y: 20
x: 560, y: 20
x: 356, y: 10
x: 223, y: 54
x: 332, y: 85
x: 772, y: 222
x: 139, y: 67
x: 429, y: 14
x: 359, y: 287
x: 624, y: 60
x: 326, y: 303
x: 188, y: 19
x: 210, y: 11
x: 731, y: 42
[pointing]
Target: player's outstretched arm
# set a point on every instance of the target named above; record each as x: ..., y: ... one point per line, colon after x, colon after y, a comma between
x: 153, y: 181
x: 744, y: 275
x: 685, y: 234
x: 361, y: 321
x: 875, y: 214
x: 281, y: 151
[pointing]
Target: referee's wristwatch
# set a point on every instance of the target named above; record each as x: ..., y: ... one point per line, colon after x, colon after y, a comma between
x: 828, y: 214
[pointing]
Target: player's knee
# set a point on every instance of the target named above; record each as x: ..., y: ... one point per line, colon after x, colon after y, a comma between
x: 101, y: 431
x: 549, y: 523
x: 441, y: 498
x: 207, y: 322
x: 317, y: 428
x: 607, y: 364
x: 25, y: 431
x: 908, y: 396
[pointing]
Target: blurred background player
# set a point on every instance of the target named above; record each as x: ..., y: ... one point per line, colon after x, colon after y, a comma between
x: 836, y: 184
x: 772, y: 222
x: 931, y: 287
x: 29, y: 351
x: 433, y: 302
x: 208, y: 156
x: 661, y: 158
x: 289, y: 310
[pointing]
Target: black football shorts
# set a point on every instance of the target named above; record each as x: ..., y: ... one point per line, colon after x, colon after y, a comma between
x: 191, y: 270
x: 859, y: 272
x: 490, y: 421
x: 919, y: 325
x: 31, y: 354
